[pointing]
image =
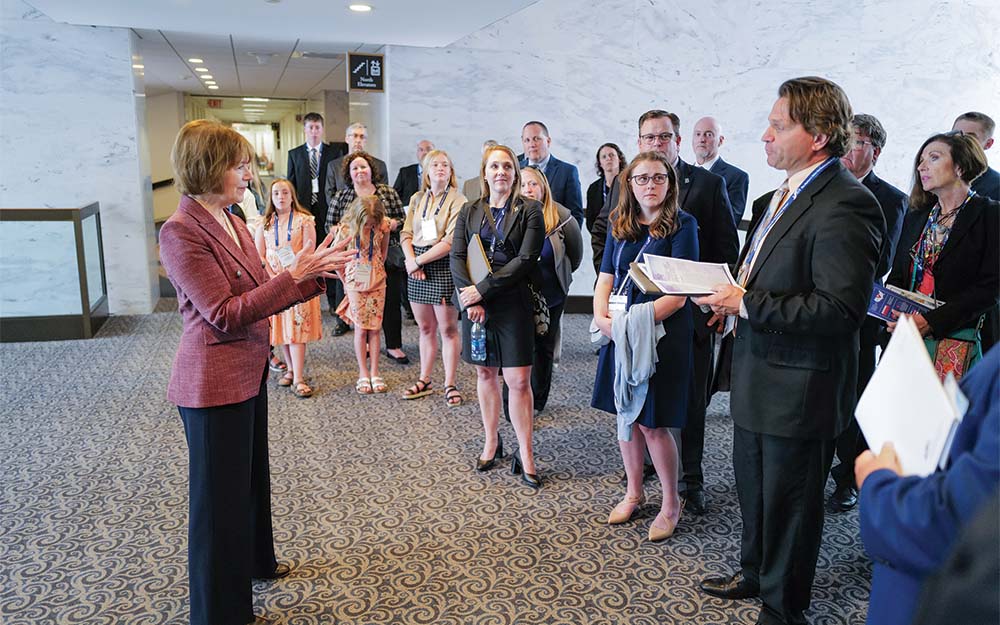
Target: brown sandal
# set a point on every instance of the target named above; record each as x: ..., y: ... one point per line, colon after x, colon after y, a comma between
x: 452, y: 396
x: 418, y: 390
x: 287, y: 379
x: 302, y: 390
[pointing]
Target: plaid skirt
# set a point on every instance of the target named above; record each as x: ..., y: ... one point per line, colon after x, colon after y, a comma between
x: 437, y: 288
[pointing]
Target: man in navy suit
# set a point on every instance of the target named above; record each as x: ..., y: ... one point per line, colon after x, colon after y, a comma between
x: 703, y: 195
x: 981, y: 126
x: 706, y: 141
x: 307, y: 171
x: 869, y: 139
x: 564, y: 179
x: 408, y: 179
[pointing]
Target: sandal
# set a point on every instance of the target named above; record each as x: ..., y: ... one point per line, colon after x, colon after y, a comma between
x: 302, y: 390
x: 275, y: 365
x: 378, y: 385
x: 287, y: 379
x: 363, y: 386
x: 418, y: 390
x: 452, y: 396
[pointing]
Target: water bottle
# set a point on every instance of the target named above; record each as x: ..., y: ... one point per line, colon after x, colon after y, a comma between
x: 478, y: 340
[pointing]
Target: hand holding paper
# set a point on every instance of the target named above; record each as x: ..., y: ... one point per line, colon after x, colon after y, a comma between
x: 867, y: 463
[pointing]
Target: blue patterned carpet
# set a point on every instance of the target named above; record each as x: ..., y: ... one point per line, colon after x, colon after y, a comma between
x: 375, y: 502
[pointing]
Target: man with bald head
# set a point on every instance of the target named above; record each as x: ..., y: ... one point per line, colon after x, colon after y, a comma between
x: 408, y: 179
x: 706, y: 141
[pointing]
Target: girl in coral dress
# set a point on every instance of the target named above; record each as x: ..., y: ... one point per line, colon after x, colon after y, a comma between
x: 287, y: 230
x: 367, y: 226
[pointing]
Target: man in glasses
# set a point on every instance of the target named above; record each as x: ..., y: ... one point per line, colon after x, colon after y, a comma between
x: 860, y: 159
x: 702, y: 194
x: 805, y: 277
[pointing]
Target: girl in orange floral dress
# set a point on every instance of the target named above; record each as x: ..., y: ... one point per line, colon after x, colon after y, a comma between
x: 366, y: 224
x: 287, y: 230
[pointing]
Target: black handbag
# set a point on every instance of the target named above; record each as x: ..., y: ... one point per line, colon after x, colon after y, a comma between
x: 395, y: 258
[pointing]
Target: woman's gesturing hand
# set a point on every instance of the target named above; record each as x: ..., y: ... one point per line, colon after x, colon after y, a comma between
x: 322, y: 262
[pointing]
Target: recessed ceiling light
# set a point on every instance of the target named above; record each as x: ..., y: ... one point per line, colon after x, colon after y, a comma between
x: 210, y: 82
x: 206, y: 77
x: 256, y: 100
x: 360, y: 8
x: 138, y: 66
x: 213, y: 86
x: 200, y: 69
x: 195, y: 61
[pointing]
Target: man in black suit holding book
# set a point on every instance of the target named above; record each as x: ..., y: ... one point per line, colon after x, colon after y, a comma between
x: 806, y: 274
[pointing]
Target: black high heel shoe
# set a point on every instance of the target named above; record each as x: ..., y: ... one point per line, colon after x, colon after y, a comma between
x: 486, y: 465
x: 516, y: 468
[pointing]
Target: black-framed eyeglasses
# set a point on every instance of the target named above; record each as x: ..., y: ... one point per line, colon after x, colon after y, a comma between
x: 650, y: 138
x: 643, y: 179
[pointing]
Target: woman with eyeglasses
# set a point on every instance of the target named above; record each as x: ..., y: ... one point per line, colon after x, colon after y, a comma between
x: 645, y: 221
x: 948, y: 248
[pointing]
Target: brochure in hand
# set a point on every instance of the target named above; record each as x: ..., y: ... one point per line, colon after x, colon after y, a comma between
x: 886, y: 299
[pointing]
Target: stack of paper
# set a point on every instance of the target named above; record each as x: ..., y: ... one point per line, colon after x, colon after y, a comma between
x: 905, y: 404
x: 676, y: 276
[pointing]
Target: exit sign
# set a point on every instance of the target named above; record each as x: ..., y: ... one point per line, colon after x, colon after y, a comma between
x: 214, y: 103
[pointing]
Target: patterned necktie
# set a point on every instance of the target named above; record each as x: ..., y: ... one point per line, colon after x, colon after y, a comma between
x: 313, y: 171
x: 776, y: 201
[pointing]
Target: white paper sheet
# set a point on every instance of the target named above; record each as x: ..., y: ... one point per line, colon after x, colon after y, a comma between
x: 905, y: 403
x: 676, y: 276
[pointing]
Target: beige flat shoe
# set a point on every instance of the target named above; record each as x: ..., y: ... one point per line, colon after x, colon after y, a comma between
x: 625, y: 509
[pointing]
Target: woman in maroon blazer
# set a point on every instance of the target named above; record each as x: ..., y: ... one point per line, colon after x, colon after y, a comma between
x: 225, y: 299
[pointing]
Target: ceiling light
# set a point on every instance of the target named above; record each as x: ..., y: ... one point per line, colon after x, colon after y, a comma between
x: 360, y: 8
x: 198, y: 61
x: 206, y: 77
x: 213, y: 86
x: 210, y: 82
x: 138, y: 66
x: 200, y: 69
x: 256, y: 100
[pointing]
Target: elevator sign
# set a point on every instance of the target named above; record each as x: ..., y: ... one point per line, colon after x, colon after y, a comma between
x: 365, y: 72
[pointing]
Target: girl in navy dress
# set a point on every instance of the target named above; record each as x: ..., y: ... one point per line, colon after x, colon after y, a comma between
x: 647, y: 220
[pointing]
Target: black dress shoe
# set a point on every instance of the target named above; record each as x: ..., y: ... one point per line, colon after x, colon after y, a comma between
x: 516, y: 468
x: 486, y: 465
x: 340, y: 329
x: 843, y: 498
x: 279, y: 571
x: 695, y: 501
x: 402, y: 360
x: 732, y: 587
x: 260, y: 620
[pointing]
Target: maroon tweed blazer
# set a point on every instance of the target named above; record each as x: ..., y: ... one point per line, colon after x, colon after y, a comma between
x: 225, y: 299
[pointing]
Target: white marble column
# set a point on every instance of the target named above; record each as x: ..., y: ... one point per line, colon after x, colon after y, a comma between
x: 72, y: 132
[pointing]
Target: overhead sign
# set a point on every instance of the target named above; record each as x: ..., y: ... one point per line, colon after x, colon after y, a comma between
x: 365, y: 72
x: 214, y: 103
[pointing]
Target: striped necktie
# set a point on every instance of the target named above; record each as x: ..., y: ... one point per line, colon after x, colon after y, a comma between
x: 313, y: 172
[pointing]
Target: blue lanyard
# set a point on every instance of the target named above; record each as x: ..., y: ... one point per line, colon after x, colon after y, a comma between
x: 498, y: 222
x: 619, y: 247
x: 277, y: 221
x: 764, y: 229
x: 430, y: 199
x: 371, y: 245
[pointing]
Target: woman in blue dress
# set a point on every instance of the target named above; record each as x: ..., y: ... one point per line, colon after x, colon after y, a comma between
x: 647, y: 220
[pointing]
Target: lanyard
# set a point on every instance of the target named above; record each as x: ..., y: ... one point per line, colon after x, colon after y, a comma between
x: 278, y: 221
x: 497, y: 222
x: 371, y: 245
x: 430, y: 199
x: 619, y: 247
x: 928, y: 250
x: 764, y: 229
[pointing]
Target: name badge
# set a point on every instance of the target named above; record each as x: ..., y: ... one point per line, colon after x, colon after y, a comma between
x: 429, y: 228
x: 315, y: 183
x: 616, y: 304
x: 362, y: 276
x: 286, y: 256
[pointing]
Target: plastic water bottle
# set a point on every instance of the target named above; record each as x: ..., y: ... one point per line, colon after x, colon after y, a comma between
x: 478, y: 340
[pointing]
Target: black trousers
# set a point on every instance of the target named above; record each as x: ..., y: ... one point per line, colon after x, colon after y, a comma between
x: 780, y: 482
x: 693, y: 432
x: 230, y: 538
x: 392, y: 316
x: 851, y: 441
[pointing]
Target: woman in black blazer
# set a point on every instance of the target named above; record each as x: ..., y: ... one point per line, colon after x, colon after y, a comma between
x: 949, y: 247
x: 609, y: 163
x: 502, y: 302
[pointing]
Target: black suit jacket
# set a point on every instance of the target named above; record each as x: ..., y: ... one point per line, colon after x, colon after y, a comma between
x: 894, y: 204
x: 795, y: 357
x: 298, y: 175
x: 988, y: 184
x: 737, y: 185
x: 407, y: 183
x: 564, y: 180
x: 967, y: 272
x: 595, y: 203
